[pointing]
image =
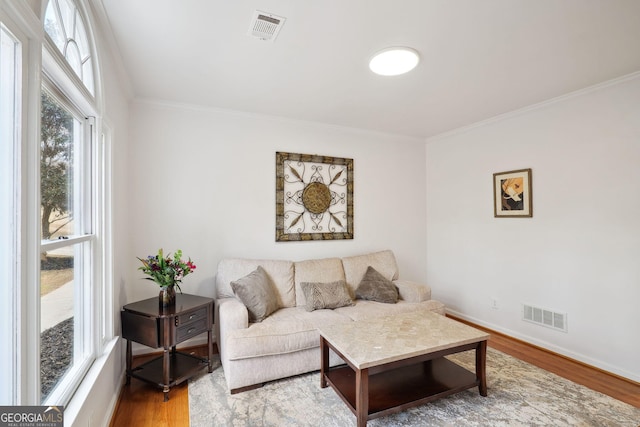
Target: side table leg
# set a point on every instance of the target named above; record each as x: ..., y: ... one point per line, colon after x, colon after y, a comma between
x: 129, y: 360
x: 481, y: 367
x: 166, y: 367
x: 362, y: 396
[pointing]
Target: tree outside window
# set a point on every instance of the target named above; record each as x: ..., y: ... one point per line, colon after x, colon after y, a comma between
x: 56, y: 168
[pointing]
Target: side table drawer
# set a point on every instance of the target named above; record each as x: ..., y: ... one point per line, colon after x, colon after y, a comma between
x: 190, y: 330
x: 191, y: 316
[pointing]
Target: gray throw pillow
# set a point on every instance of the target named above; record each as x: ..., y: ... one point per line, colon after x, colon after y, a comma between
x: 257, y: 294
x: 326, y: 295
x: 375, y: 287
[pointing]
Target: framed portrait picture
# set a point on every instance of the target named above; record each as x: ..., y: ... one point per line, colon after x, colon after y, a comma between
x: 314, y: 197
x: 512, y: 194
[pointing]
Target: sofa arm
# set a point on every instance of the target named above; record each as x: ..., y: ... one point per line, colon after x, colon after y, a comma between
x: 232, y: 314
x: 413, y: 291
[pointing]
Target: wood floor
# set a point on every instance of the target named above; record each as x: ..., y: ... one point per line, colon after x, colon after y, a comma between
x: 142, y: 405
x: 606, y: 383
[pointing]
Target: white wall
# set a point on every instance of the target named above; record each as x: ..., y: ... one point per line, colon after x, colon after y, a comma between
x: 579, y: 254
x: 204, y: 181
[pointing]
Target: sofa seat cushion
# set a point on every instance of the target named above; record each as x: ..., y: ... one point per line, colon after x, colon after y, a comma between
x: 363, y: 309
x: 315, y: 318
x: 285, y: 331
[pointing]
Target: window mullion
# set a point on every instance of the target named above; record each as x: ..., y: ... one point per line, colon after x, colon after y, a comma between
x: 60, y: 20
x: 89, y: 172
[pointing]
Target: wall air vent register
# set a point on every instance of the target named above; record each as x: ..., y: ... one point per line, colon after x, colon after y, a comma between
x: 544, y: 317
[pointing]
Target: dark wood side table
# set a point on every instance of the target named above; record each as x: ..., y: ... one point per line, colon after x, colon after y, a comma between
x: 147, y: 323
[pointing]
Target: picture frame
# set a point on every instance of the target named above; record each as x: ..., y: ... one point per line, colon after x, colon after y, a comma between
x: 512, y: 194
x: 314, y: 197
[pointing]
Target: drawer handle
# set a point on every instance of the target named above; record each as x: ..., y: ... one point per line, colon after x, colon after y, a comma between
x: 192, y: 316
x: 190, y: 330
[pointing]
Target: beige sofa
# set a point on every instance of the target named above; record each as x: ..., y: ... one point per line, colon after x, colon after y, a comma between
x: 286, y: 342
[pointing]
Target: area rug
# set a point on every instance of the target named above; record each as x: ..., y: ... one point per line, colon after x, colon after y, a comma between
x: 519, y: 394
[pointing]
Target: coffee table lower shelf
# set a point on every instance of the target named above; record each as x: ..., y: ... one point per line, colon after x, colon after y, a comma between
x: 401, y: 388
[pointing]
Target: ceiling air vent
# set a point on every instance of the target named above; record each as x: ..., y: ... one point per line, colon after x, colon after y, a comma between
x: 265, y: 26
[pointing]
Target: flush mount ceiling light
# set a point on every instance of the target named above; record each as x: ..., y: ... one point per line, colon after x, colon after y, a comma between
x: 394, y: 61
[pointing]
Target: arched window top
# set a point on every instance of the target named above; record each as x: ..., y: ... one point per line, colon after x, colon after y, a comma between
x: 63, y: 23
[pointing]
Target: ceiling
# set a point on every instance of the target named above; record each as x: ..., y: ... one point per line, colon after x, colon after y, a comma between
x: 479, y: 58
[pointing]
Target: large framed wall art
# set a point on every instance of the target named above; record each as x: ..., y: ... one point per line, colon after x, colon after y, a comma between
x: 314, y: 197
x: 512, y: 194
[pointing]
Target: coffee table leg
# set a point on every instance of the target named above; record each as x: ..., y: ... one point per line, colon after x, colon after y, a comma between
x: 362, y: 396
x: 324, y: 361
x: 481, y: 367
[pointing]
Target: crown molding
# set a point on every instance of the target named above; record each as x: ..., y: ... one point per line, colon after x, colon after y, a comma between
x: 533, y: 107
x: 274, y: 118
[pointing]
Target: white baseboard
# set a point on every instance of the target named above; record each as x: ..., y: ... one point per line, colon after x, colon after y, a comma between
x: 548, y: 346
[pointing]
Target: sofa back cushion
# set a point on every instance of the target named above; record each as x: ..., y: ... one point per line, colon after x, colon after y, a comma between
x: 280, y: 273
x: 316, y: 270
x: 356, y: 266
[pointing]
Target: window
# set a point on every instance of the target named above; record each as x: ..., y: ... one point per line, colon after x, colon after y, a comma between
x: 71, y: 204
x: 66, y: 267
x: 54, y: 241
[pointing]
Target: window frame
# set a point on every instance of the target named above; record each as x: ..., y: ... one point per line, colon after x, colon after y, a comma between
x: 11, y: 220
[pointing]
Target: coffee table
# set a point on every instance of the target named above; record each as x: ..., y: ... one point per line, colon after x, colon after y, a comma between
x: 396, y: 362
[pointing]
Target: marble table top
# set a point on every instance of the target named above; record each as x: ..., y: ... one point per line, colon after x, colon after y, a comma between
x: 367, y: 343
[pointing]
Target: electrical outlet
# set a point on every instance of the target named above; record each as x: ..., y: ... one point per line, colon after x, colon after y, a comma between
x: 494, y: 303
